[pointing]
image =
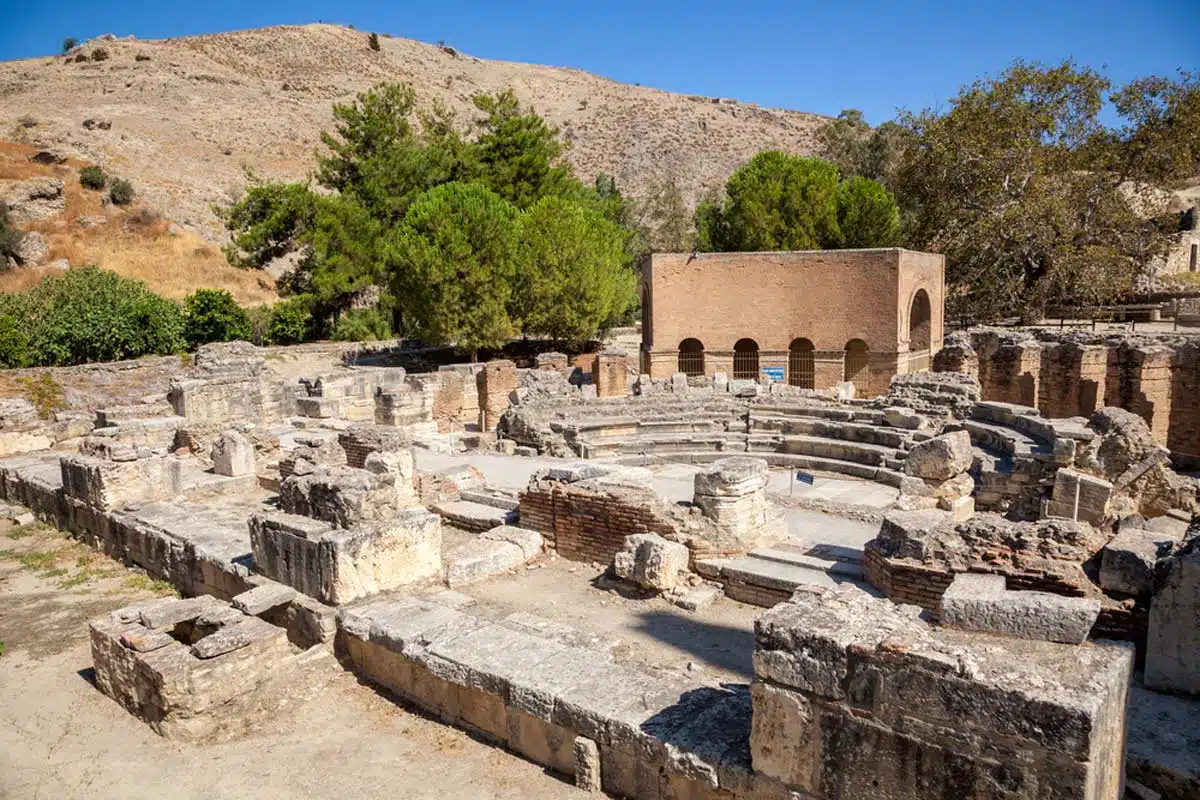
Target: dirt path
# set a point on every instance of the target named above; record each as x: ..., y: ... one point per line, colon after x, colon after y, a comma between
x: 61, y: 738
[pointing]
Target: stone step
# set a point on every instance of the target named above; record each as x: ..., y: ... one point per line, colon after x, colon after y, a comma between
x: 474, y: 516
x: 494, y: 499
x: 796, y: 558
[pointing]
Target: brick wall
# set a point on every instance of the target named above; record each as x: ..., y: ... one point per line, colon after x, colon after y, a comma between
x: 828, y: 297
x: 1072, y: 379
x: 586, y: 525
x: 495, y: 382
x: 610, y: 374
x: 1139, y: 380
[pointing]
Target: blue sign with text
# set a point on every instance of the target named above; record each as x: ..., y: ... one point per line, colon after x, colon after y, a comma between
x: 805, y: 477
x: 774, y: 373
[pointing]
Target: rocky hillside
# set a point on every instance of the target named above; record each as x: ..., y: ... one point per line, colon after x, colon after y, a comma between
x: 184, y: 118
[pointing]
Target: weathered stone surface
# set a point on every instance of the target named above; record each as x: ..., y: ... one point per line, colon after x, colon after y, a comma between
x: 263, y: 598
x: 32, y: 249
x: 1093, y: 496
x: 860, y: 698
x: 587, y: 764
x: 732, y: 477
x: 232, y: 454
x: 1173, y: 639
x: 529, y: 541
x: 33, y: 199
x: 651, y: 561
x: 900, y: 417
x: 108, y: 485
x: 336, y: 566
x: 231, y: 637
x: 175, y: 611
x: 480, y: 559
x: 940, y: 458
x: 1128, y: 561
x: 978, y: 602
x: 145, y: 640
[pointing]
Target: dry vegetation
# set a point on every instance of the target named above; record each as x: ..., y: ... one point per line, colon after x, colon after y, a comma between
x: 188, y: 115
x: 137, y: 242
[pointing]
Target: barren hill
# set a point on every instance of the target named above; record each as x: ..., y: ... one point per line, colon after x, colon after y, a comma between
x: 188, y: 115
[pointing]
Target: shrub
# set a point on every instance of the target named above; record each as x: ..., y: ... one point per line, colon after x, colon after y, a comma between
x: 92, y: 178
x: 69, y: 44
x: 290, y: 321
x: 14, y: 332
x: 99, y: 54
x: 260, y: 323
x: 80, y: 57
x: 89, y: 314
x: 373, y: 42
x: 212, y: 315
x: 362, y: 325
x: 141, y: 57
x: 120, y: 192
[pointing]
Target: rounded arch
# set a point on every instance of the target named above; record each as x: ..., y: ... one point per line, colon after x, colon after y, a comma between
x: 745, y: 359
x: 691, y: 357
x: 857, y: 359
x: 802, y: 369
x: 920, y: 322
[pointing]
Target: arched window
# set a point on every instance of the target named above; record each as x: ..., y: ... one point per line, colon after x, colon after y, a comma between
x: 919, y: 331
x: 691, y: 357
x: 745, y: 359
x: 858, y: 356
x: 802, y: 371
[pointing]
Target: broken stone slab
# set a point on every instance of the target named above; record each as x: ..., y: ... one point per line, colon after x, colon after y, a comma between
x: 575, y: 471
x: 233, y: 637
x: 941, y: 457
x: 587, y: 764
x: 979, y: 602
x: 651, y: 561
x: 219, y: 616
x: 145, y: 641
x: 732, y: 477
x: 1093, y: 495
x: 1128, y: 561
x: 698, y: 598
x: 232, y: 454
x: 529, y: 541
x: 263, y: 598
x: 175, y: 611
x: 901, y: 417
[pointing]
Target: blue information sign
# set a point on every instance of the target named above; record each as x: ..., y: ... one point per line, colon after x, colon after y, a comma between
x: 774, y: 373
x: 805, y: 477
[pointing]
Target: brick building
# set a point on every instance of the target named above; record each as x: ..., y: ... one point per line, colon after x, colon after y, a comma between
x: 813, y: 318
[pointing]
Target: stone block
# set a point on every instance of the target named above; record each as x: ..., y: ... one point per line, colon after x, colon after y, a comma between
x: 1128, y: 561
x: 960, y: 508
x: 941, y: 457
x: 1173, y: 638
x: 335, y: 565
x: 529, y: 541
x: 263, y: 598
x: 697, y: 599
x: 977, y: 602
x: 720, y: 382
x: 732, y: 493
x: 1093, y: 495
x: 232, y: 454
x: 901, y: 417
x: 651, y: 561
x: 587, y: 764
x: 480, y: 559
x: 785, y: 736
x: 679, y: 383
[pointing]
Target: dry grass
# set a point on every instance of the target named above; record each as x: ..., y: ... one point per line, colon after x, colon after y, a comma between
x: 135, y: 242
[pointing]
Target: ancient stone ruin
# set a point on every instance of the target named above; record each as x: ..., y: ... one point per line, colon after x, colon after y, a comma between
x: 927, y: 591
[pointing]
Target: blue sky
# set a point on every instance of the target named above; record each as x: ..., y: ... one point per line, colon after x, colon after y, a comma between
x: 876, y: 55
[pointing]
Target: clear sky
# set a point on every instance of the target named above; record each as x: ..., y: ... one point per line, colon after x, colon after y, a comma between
x: 876, y: 55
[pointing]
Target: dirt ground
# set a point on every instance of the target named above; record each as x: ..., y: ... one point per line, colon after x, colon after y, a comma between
x: 61, y: 738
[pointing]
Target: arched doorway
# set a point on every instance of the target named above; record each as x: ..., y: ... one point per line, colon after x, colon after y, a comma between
x: 745, y: 359
x: 858, y: 357
x: 802, y: 370
x: 691, y: 357
x: 920, y: 331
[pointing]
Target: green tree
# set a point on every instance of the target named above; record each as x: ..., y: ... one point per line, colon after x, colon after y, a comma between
x: 212, y: 315
x: 573, y: 272
x: 290, y: 321
x: 69, y: 43
x: 362, y: 325
x: 1027, y: 193
x: 662, y: 220
x: 520, y: 156
x: 867, y: 214
x: 344, y: 263
x: 269, y: 221
x: 452, y: 266
x: 857, y: 149
x: 775, y: 201
x: 376, y: 121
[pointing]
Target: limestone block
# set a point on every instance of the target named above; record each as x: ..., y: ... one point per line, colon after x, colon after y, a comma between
x: 977, y: 602
x: 233, y: 455
x: 529, y: 541
x: 900, y: 417
x: 651, y: 561
x: 1128, y: 561
x: 588, y: 391
x: 960, y: 508
x: 108, y: 485
x: 679, y: 383
x: 743, y: 387
x: 785, y: 736
x: 732, y: 493
x: 720, y: 382
x: 587, y: 764
x: 480, y: 559
x: 336, y: 566
x: 1173, y: 640
x: 941, y: 457
x: 263, y: 598
x: 1093, y: 496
